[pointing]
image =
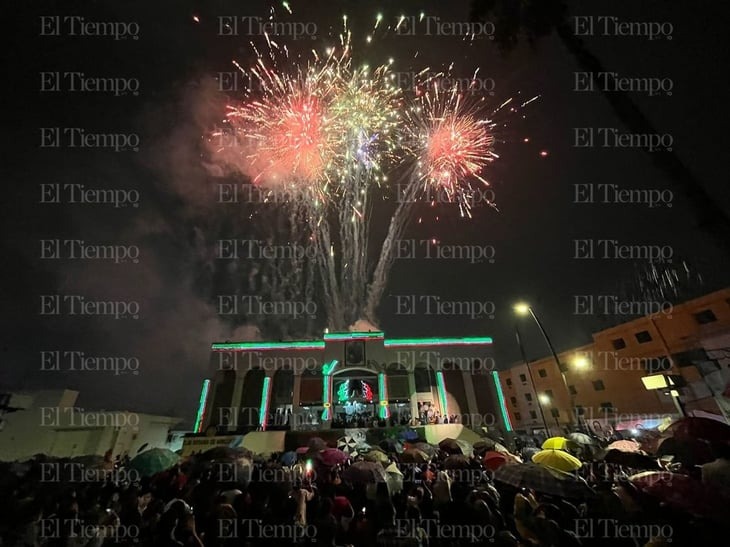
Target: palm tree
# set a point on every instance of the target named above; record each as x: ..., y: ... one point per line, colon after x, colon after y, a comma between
x: 535, y: 19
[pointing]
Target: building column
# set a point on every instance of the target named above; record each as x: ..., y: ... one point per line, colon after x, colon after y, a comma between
x: 383, y: 410
x: 235, y: 402
x: 265, y: 399
x: 471, y: 398
x: 295, y: 400
x: 441, y: 390
x: 412, y: 391
x: 327, y: 370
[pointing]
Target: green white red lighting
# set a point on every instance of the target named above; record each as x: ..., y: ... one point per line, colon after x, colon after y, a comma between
x: 500, y: 398
x: 384, y: 411
x: 201, y: 406
x: 441, y: 386
x: 264, y: 408
x: 327, y: 370
x: 345, y: 336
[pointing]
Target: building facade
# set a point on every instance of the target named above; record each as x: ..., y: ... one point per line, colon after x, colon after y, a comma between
x: 352, y: 379
x: 599, y: 385
x: 49, y: 422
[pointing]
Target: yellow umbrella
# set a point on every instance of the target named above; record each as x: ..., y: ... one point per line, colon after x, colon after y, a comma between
x: 557, y: 459
x: 555, y: 443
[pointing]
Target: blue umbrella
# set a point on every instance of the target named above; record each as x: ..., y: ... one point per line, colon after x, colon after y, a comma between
x: 409, y: 435
x: 289, y: 458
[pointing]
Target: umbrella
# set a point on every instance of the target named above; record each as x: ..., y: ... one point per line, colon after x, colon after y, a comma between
x: 430, y: 450
x: 450, y: 446
x: 529, y: 452
x: 494, y: 460
x: 332, y: 456
x: 391, y: 445
x: 557, y: 459
x: 317, y: 443
x: 413, y: 455
x: 456, y: 446
x: 288, y: 458
x: 364, y: 472
x: 456, y: 461
x: 624, y: 446
x: 153, y: 461
x: 543, y: 479
x: 634, y: 460
x: 347, y: 444
x: 690, y: 452
x: 700, y: 428
x: 682, y: 492
x: 555, y: 443
x: 395, y: 478
x: 482, y: 446
x: 466, y: 447
x: 408, y: 435
x: 224, y: 453
x: 377, y: 455
x: 582, y: 439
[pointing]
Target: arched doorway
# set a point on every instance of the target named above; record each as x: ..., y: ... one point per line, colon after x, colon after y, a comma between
x: 355, y: 398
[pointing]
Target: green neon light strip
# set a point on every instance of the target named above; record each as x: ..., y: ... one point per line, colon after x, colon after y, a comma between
x: 441, y: 385
x: 437, y: 341
x: 337, y: 336
x: 500, y: 398
x: 334, y: 337
x: 383, y: 395
x: 264, y: 346
x: 201, y: 406
x: 327, y: 370
x: 264, y: 408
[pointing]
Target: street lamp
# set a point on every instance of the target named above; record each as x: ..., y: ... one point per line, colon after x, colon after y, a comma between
x: 522, y: 308
x: 668, y: 384
x: 532, y: 380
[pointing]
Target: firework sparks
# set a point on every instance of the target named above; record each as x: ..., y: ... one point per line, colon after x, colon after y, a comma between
x: 332, y: 132
x: 450, y: 142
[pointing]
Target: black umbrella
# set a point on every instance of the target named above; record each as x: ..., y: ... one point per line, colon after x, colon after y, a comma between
x: 456, y: 461
x: 391, y: 445
x: 543, y: 479
x: 364, y: 472
x: 635, y: 460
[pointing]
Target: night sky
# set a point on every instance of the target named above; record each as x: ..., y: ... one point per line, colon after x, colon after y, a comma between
x: 177, y: 221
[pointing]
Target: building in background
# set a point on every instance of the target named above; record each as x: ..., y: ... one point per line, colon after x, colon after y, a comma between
x: 50, y: 423
x: 345, y: 378
x: 600, y: 386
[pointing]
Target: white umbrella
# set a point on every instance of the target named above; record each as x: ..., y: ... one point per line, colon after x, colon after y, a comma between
x: 347, y: 444
x: 394, y: 478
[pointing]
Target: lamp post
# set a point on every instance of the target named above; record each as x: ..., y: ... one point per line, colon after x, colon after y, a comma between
x: 532, y: 380
x: 525, y: 309
x: 545, y: 399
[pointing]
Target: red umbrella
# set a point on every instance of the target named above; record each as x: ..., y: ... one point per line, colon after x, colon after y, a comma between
x: 494, y: 460
x: 332, y: 456
x: 700, y: 428
x: 682, y: 492
x: 624, y: 446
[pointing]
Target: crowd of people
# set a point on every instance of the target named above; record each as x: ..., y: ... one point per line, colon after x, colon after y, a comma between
x: 238, y: 501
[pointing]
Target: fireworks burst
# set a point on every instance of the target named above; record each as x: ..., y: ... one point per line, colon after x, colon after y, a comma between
x: 329, y: 132
x: 450, y: 143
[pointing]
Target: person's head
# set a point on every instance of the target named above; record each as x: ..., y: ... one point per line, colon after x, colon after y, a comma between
x: 144, y: 497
